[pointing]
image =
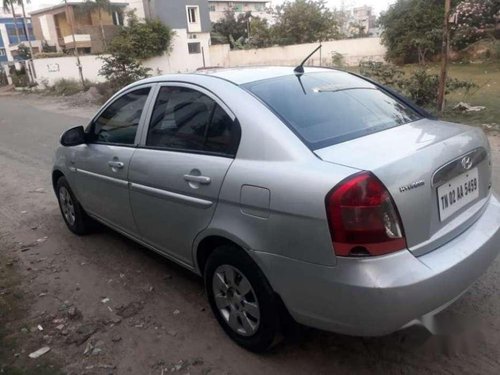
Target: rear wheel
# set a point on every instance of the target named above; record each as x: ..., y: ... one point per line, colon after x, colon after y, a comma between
x: 242, y: 299
x: 72, y: 212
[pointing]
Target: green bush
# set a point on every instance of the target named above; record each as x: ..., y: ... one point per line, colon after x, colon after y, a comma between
x: 420, y: 86
x: 386, y: 74
x: 122, y: 70
x: 66, y: 87
x: 338, y: 60
x: 106, y: 90
x: 46, y: 55
x: 19, y: 77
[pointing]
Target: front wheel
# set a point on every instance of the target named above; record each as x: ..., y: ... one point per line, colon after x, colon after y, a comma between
x: 241, y: 299
x: 72, y: 212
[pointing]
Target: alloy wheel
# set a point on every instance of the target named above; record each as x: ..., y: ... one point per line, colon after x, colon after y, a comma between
x: 67, y: 205
x: 236, y: 300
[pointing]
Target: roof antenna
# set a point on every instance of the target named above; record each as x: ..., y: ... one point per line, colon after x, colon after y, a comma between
x: 300, y: 69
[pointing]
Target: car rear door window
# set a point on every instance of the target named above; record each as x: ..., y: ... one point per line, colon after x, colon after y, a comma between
x: 223, y: 134
x: 119, y: 122
x: 188, y: 120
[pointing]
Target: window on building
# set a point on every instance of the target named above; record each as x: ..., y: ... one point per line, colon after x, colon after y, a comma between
x: 212, y: 8
x: 117, y: 18
x: 238, y: 7
x: 2, y: 52
x: 192, y: 14
x: 194, y: 47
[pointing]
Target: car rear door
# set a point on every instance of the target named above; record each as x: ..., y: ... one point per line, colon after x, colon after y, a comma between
x: 102, y: 164
x: 177, y: 172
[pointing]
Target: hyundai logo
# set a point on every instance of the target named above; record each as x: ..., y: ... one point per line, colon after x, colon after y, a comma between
x: 466, y: 162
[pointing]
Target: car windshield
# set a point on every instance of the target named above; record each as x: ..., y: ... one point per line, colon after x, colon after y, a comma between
x: 331, y: 107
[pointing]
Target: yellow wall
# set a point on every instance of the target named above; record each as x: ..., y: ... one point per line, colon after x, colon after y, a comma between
x: 64, y: 26
x: 105, y: 17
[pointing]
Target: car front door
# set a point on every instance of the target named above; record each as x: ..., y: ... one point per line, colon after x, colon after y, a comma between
x: 177, y: 172
x: 102, y: 164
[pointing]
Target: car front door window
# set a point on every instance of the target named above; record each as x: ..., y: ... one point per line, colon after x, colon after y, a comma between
x: 119, y: 122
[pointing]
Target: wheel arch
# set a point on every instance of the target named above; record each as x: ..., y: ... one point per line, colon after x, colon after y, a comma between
x: 208, y: 241
x: 56, y: 175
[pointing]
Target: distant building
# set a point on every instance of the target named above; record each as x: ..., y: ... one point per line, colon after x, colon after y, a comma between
x: 53, y: 26
x: 364, y: 17
x: 9, y: 41
x: 218, y: 8
x: 191, y: 22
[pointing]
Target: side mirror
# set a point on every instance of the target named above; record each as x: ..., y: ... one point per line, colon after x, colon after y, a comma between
x: 73, y: 137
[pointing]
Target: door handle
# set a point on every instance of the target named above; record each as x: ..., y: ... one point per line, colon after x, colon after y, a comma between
x: 199, y: 179
x: 115, y: 164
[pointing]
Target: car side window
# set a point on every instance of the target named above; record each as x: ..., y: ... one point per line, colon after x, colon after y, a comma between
x: 188, y: 120
x: 119, y: 122
x: 223, y: 134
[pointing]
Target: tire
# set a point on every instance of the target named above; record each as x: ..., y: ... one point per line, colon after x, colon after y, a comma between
x: 251, y: 319
x: 74, y: 216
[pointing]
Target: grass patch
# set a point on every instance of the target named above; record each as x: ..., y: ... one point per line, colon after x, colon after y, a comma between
x: 67, y: 87
x: 485, y: 75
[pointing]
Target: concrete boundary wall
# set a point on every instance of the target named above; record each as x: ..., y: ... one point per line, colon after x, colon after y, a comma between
x: 353, y: 51
x: 180, y: 61
x: 51, y: 69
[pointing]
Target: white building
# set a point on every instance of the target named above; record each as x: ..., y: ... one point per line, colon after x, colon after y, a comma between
x: 364, y: 17
x: 256, y: 7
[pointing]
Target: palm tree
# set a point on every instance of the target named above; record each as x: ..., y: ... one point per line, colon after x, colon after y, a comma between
x: 9, y: 5
x: 100, y: 6
x: 28, y: 36
x: 6, y: 4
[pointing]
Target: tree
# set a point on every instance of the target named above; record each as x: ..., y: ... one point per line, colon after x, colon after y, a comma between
x: 473, y: 20
x: 304, y: 21
x: 412, y: 30
x: 142, y: 40
x: 9, y: 5
x: 231, y: 29
x: 121, y: 70
x: 100, y: 6
x: 23, y: 52
x: 135, y: 42
x: 260, y: 33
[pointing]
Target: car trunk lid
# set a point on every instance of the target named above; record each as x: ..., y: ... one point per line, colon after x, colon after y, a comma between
x: 421, y: 165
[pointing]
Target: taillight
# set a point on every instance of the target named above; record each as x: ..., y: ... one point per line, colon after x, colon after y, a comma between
x: 362, y: 217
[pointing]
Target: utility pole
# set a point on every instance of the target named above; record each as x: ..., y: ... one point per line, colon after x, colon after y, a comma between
x: 75, y: 49
x: 28, y: 36
x: 444, y: 57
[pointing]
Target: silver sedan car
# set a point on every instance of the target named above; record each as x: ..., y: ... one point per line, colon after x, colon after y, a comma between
x: 314, y: 194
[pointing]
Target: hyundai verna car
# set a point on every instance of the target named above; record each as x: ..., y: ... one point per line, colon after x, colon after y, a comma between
x: 318, y: 193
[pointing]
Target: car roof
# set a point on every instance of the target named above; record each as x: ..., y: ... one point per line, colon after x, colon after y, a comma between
x: 243, y: 75
x: 239, y: 75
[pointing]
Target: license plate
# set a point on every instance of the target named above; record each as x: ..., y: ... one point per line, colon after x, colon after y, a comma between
x: 457, y: 193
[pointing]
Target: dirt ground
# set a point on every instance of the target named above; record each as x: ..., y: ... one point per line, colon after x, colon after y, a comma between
x: 105, y: 305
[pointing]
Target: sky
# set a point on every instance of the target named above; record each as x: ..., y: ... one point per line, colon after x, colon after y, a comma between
x: 378, y: 5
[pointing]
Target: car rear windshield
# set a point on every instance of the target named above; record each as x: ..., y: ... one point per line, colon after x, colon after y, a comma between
x: 331, y: 107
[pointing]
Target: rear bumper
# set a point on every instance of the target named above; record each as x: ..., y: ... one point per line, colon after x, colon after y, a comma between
x: 377, y: 296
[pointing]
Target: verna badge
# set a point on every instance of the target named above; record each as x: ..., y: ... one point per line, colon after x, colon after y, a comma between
x: 412, y: 186
x: 466, y: 162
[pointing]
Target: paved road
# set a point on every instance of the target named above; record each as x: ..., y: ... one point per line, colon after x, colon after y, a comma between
x: 156, y: 315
